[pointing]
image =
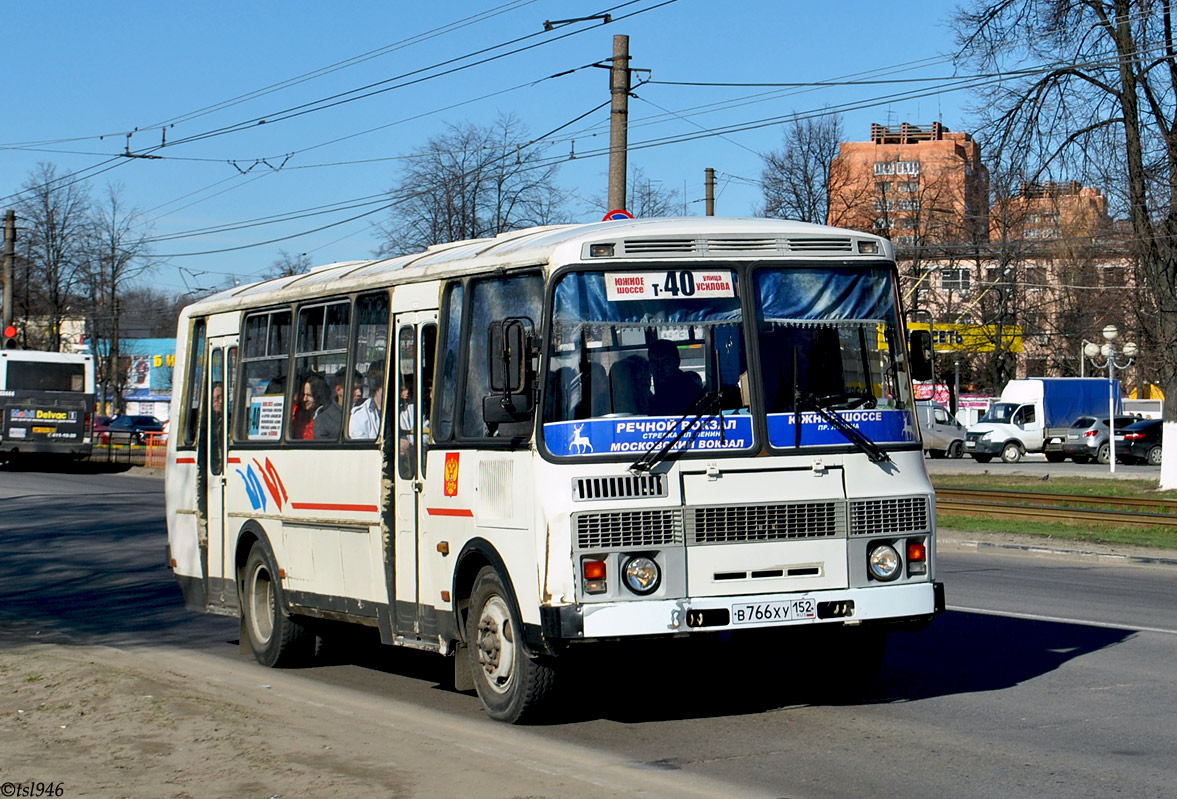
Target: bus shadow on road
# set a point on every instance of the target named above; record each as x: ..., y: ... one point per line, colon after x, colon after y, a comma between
x: 959, y: 653
x: 965, y: 652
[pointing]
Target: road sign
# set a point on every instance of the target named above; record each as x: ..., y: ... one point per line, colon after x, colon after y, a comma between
x: 619, y: 213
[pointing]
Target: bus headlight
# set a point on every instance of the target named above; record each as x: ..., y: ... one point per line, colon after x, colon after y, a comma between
x: 641, y: 575
x: 883, y: 562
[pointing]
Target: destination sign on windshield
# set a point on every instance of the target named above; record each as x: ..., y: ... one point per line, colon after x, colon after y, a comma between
x: 673, y: 285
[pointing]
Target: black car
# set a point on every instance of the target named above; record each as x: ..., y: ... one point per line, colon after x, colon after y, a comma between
x: 131, y: 429
x: 1142, y: 441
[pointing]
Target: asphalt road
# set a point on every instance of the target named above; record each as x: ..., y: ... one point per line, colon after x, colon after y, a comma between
x: 1036, y: 466
x: 1049, y: 677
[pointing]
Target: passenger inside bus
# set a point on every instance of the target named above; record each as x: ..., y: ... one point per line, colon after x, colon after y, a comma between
x: 629, y: 386
x: 317, y: 416
x: 364, y: 423
x: 674, y: 389
x: 216, y: 425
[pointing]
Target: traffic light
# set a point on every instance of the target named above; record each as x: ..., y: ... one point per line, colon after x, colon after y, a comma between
x: 9, y: 341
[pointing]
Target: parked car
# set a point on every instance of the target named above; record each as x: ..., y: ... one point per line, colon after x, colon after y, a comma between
x: 101, y: 423
x: 131, y: 429
x: 1141, y: 441
x: 1087, y: 438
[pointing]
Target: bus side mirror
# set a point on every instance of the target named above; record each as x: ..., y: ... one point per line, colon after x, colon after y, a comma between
x: 920, y: 354
x: 509, y: 344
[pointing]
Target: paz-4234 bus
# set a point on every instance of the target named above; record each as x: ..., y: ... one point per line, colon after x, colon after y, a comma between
x: 508, y: 451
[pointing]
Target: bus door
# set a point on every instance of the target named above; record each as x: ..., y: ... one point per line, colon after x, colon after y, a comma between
x: 222, y: 361
x: 412, y: 369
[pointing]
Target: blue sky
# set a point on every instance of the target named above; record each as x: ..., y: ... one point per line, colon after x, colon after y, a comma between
x: 80, y: 71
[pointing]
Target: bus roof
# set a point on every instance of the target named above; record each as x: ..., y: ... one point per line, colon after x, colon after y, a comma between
x: 681, y: 238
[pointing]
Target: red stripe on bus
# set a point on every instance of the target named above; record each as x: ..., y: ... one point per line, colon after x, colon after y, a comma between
x: 185, y: 460
x: 333, y: 506
x: 234, y: 460
x: 449, y: 511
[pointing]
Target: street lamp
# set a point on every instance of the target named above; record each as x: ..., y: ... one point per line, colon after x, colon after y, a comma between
x: 1109, y: 353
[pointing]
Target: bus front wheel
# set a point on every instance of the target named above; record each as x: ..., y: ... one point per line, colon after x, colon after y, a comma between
x: 512, y: 685
x: 274, y: 638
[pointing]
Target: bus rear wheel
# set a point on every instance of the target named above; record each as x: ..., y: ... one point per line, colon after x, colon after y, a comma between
x: 274, y: 638
x: 512, y: 685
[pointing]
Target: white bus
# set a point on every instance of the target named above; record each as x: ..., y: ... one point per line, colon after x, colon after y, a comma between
x: 46, y: 404
x: 507, y: 450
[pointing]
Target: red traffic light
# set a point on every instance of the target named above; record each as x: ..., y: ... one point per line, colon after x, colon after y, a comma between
x: 10, y: 331
x: 9, y: 339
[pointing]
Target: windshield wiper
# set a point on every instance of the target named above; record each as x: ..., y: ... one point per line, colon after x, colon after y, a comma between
x: 872, y: 450
x: 706, y: 404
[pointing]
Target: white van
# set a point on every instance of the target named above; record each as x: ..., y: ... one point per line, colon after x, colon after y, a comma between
x: 943, y: 435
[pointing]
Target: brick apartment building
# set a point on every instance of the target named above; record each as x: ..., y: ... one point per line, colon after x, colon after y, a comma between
x: 1012, y: 288
x: 1046, y: 211
x: 916, y: 184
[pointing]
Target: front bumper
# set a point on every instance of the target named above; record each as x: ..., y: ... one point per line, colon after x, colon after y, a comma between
x: 915, y: 602
x: 982, y: 446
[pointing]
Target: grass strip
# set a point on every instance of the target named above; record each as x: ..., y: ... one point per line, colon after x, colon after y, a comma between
x: 1085, y: 487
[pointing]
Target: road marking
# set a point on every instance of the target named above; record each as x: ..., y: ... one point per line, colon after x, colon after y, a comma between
x: 1063, y: 620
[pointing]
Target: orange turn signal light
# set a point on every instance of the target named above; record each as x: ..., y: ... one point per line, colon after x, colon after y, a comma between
x: 916, y: 551
x: 593, y: 570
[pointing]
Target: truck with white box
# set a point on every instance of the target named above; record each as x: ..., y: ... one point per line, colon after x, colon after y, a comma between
x: 1032, y: 416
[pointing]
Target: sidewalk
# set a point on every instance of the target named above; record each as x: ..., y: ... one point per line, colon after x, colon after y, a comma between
x: 957, y: 539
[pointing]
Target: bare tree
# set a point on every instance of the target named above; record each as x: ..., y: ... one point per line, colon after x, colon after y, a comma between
x: 797, y: 179
x: 287, y: 265
x: 55, y: 213
x: 471, y: 182
x: 116, y: 254
x: 1109, y: 94
x: 649, y: 200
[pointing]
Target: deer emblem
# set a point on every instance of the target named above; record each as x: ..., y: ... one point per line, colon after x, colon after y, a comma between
x: 580, y: 444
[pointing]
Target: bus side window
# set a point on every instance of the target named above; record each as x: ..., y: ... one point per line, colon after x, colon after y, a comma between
x: 447, y: 388
x: 194, y: 384
x: 494, y: 299
x: 369, y: 351
x: 265, y: 359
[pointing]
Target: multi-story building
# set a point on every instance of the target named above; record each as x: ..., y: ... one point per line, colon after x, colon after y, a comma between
x: 1051, y: 211
x: 919, y: 185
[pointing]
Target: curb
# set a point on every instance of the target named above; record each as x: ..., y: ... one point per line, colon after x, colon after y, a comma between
x: 1127, y: 557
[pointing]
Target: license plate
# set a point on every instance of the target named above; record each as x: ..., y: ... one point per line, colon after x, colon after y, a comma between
x: 970, y: 445
x: 773, y: 612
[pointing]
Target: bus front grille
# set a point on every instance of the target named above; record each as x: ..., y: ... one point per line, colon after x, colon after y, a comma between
x: 737, y: 523
x: 890, y: 516
x: 624, y: 529
x: 625, y: 486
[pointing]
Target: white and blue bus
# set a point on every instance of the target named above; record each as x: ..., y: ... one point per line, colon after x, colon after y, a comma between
x: 508, y: 450
x: 46, y: 404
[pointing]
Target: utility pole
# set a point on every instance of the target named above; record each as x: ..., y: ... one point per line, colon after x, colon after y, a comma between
x: 9, y: 259
x: 619, y: 122
x: 709, y: 183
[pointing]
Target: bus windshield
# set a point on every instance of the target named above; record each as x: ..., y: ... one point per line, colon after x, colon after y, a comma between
x: 633, y: 354
x: 639, y: 357
x: 46, y: 376
x: 830, y: 341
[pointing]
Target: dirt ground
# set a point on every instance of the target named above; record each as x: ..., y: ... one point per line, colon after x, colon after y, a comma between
x: 95, y: 721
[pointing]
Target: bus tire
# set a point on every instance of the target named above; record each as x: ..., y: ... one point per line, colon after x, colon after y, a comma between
x: 512, y: 685
x: 275, y: 639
